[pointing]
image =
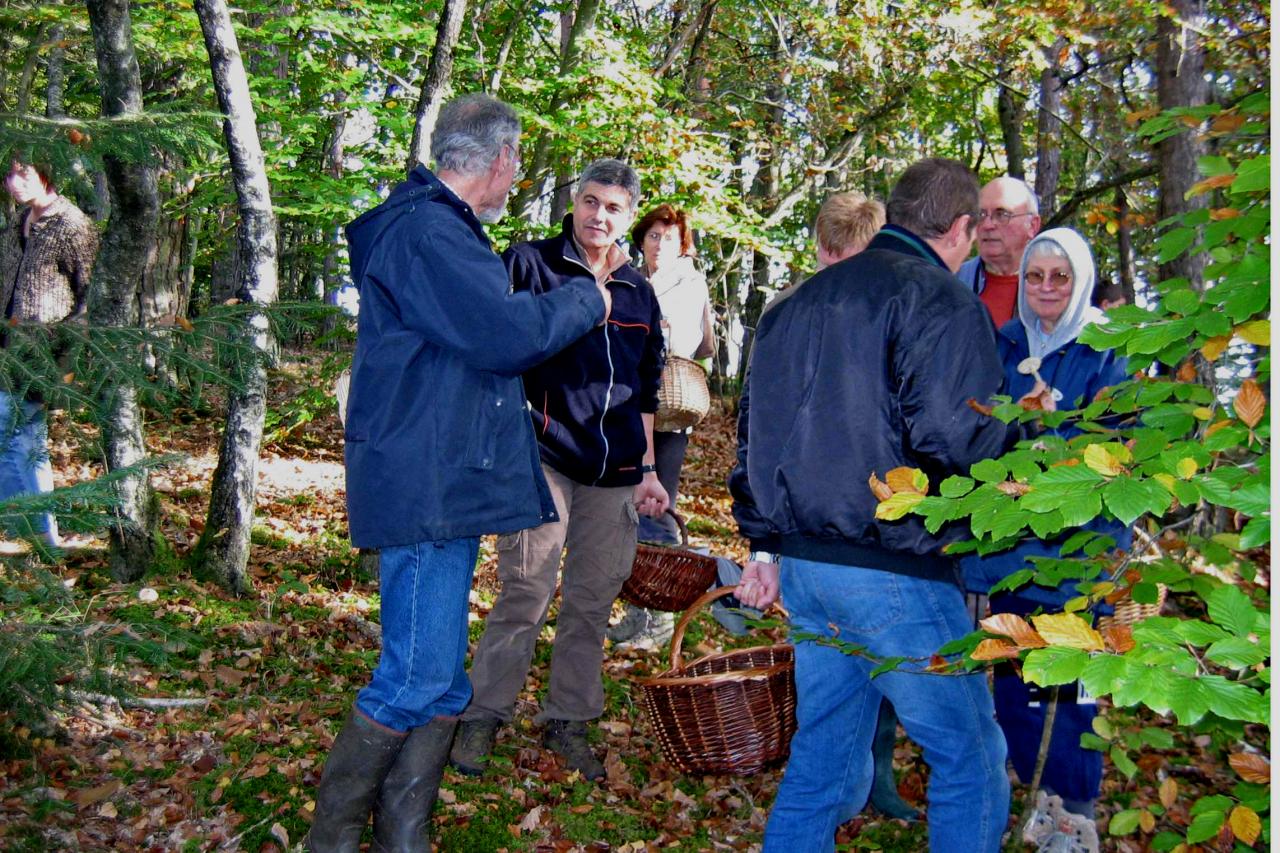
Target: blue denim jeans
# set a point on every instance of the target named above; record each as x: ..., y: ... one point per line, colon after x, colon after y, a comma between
x: 421, y: 672
x: 24, y: 460
x: 951, y: 717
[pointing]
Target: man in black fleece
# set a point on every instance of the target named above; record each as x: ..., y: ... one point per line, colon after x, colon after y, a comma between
x: 592, y: 408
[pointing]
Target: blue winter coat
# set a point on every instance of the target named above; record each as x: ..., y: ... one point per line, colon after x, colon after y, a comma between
x: 438, y: 440
x: 1079, y: 372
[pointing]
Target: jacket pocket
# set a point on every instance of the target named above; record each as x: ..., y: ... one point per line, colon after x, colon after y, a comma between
x: 484, y: 425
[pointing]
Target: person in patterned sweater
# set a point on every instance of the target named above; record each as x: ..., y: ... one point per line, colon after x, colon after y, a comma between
x: 51, y: 246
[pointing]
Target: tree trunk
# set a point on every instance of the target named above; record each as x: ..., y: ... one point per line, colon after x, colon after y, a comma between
x: 1011, y: 110
x: 224, y: 547
x: 55, y: 75
x: 1124, y: 247
x: 1180, y: 83
x: 126, y: 259
x: 436, y: 84
x: 584, y: 21
x: 504, y: 51
x: 28, y: 76
x: 1049, y: 132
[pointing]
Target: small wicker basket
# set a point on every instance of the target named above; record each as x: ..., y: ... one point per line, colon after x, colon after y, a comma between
x: 668, y: 578
x: 683, y: 397
x: 1130, y: 612
x: 730, y: 712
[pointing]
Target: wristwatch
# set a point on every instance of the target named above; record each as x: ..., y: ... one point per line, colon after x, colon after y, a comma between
x: 648, y: 469
x: 763, y: 557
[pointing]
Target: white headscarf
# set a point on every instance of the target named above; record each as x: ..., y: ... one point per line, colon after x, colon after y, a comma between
x: 1079, y: 311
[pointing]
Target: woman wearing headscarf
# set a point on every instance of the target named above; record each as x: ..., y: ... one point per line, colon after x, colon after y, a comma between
x: 1044, y: 360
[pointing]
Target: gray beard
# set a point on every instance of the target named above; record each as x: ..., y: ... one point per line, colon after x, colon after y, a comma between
x: 492, y: 214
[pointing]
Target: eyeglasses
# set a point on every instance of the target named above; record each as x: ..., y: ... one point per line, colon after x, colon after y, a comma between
x: 1058, y: 279
x: 1000, y: 216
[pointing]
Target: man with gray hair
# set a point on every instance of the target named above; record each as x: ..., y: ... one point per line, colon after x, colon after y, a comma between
x: 592, y: 408
x: 865, y: 368
x: 438, y: 452
x: 1008, y: 218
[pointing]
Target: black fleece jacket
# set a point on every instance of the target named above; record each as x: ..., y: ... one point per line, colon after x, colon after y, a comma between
x: 586, y: 401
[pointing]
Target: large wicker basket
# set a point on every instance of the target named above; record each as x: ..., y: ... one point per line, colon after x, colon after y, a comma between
x: 666, y: 577
x: 1130, y: 612
x: 683, y: 397
x: 730, y: 712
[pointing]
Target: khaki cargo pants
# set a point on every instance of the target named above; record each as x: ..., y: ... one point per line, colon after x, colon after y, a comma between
x: 598, y: 526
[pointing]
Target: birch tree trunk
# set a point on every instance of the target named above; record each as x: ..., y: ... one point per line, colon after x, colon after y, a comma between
x: 223, y: 549
x: 55, y: 75
x: 126, y: 259
x: 1180, y: 83
x: 436, y: 83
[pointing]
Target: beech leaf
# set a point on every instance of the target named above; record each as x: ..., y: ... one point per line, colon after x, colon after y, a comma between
x: 1067, y: 629
x: 1168, y: 792
x: 1015, y: 628
x: 879, y: 487
x: 897, y: 505
x: 1251, y: 767
x: 991, y: 649
x: 1250, y: 403
x: 1245, y: 824
x: 908, y: 480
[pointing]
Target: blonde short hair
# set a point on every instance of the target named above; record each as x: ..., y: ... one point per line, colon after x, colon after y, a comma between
x: 847, y: 220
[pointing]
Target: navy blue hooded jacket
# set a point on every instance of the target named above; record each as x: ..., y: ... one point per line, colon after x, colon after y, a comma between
x: 438, y: 444
x: 866, y: 367
x: 586, y: 401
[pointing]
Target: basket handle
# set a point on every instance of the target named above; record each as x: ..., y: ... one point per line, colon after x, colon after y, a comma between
x: 677, y: 636
x: 684, y: 531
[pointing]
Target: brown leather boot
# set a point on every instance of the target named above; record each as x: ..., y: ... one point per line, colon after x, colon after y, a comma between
x: 402, y: 812
x: 360, y: 759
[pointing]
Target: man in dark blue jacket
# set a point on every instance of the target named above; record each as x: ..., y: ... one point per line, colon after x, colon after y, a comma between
x: 592, y: 408
x: 438, y: 451
x: 865, y: 368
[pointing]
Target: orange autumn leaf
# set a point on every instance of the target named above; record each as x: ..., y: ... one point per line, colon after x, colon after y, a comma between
x: 1119, y: 638
x: 1200, y: 187
x: 908, y: 480
x: 1187, y: 372
x: 1250, y: 403
x: 1168, y: 792
x: 1251, y: 767
x: 1226, y: 123
x: 991, y: 649
x: 978, y: 407
x: 1218, y: 214
x: 1215, y: 347
x: 1015, y: 628
x: 1245, y: 823
x: 879, y: 487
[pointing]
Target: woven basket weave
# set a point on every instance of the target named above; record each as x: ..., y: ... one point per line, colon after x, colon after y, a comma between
x: 1130, y: 612
x: 730, y: 712
x: 683, y: 397
x: 666, y: 577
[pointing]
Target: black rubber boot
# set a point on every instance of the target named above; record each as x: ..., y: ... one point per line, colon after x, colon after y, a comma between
x: 402, y: 812
x: 884, y: 790
x: 360, y: 759
x: 569, y: 738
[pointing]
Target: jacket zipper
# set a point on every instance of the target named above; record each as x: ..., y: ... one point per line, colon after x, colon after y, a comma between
x: 608, y: 394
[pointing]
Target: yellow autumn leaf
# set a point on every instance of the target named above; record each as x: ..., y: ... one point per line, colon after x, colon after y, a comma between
x: 1147, y: 821
x: 1250, y: 403
x: 1202, y: 413
x: 1257, y: 332
x: 1165, y: 480
x: 1186, y: 467
x: 1245, y: 824
x: 1168, y: 792
x: 1067, y: 629
x: 898, y: 505
x: 1015, y: 628
x: 1100, y: 460
x: 908, y: 480
x: 1215, y: 347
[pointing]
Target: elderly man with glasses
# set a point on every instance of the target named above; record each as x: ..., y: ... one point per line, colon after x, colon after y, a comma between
x: 1010, y: 217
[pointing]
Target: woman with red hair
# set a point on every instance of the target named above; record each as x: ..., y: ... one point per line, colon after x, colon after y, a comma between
x: 665, y: 240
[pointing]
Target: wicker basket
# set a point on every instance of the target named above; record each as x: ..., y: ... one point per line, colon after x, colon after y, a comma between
x: 731, y: 712
x: 1130, y: 612
x: 683, y: 398
x: 668, y: 578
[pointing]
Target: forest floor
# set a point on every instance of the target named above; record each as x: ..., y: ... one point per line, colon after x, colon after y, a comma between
x: 269, y: 678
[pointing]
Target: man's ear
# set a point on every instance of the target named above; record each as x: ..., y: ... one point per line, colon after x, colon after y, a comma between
x: 960, y: 232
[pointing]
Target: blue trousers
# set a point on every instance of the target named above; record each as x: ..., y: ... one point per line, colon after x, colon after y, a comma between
x: 24, y: 460
x: 421, y: 672
x: 951, y: 717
